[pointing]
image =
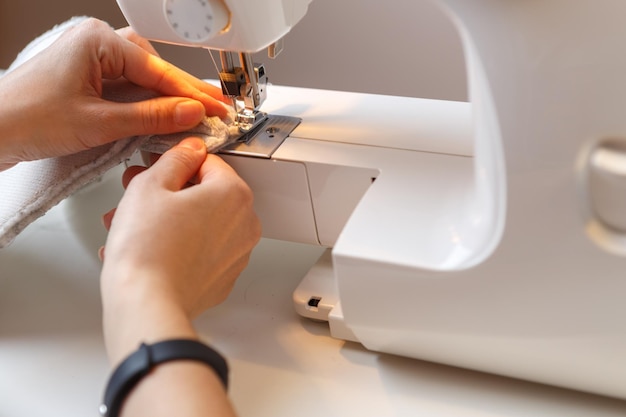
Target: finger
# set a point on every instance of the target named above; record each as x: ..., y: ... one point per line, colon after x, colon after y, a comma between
x: 130, y: 173
x: 149, y: 71
x: 6, y: 165
x: 214, y: 166
x: 154, y: 157
x: 149, y: 158
x: 119, y: 57
x: 160, y: 75
x: 155, y: 116
x: 178, y: 165
x: 129, y: 34
x: 107, y: 219
x: 101, y: 253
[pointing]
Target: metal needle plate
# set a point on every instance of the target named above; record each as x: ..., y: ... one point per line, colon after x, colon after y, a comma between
x: 263, y: 140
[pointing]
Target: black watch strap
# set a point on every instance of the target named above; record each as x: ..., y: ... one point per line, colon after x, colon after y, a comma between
x: 140, y: 362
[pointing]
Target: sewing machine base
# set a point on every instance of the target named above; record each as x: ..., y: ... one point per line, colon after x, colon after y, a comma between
x: 317, y: 298
x: 402, y: 246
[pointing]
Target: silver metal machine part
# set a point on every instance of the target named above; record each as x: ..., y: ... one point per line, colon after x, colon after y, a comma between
x: 261, y: 142
x: 244, y: 84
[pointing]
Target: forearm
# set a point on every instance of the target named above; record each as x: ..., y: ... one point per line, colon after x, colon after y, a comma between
x: 134, y: 314
x: 135, y: 311
x: 173, y: 251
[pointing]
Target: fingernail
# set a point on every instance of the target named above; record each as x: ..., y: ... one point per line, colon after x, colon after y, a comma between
x: 107, y: 218
x: 188, y: 113
x: 193, y: 143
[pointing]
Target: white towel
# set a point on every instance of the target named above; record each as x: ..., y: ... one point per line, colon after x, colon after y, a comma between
x: 29, y: 189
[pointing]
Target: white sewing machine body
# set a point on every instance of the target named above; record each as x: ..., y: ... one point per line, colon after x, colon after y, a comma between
x: 492, y: 237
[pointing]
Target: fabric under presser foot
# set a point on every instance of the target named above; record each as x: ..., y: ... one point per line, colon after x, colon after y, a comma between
x: 217, y: 133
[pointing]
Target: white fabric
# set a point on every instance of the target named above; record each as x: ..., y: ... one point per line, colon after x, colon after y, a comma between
x: 29, y: 189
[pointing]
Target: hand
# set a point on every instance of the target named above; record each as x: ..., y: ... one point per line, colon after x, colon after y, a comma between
x: 174, y: 249
x: 52, y: 105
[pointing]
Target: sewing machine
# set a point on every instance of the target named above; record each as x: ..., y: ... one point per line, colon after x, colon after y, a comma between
x: 489, y: 235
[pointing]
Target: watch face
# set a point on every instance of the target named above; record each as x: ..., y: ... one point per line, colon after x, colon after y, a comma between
x: 192, y: 20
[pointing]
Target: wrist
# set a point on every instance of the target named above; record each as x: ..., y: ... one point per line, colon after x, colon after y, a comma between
x: 136, y: 310
x: 140, y: 363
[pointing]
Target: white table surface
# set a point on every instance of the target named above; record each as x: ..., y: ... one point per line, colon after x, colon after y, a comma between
x: 52, y: 361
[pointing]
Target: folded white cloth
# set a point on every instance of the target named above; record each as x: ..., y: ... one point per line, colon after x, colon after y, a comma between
x: 30, y: 189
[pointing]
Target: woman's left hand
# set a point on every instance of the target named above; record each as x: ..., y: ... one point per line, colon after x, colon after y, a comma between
x: 52, y: 104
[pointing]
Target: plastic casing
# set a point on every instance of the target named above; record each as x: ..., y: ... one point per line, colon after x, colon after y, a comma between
x: 477, y: 244
x: 254, y: 25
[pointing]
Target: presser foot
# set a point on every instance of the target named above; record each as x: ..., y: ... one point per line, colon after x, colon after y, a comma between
x: 262, y: 139
x: 248, y: 120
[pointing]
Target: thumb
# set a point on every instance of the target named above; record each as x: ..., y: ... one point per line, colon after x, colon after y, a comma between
x: 155, y: 116
x: 177, y: 166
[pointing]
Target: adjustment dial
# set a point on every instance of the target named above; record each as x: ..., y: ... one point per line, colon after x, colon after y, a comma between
x: 196, y: 21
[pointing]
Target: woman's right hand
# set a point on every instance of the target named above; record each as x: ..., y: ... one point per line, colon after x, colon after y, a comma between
x: 174, y: 249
